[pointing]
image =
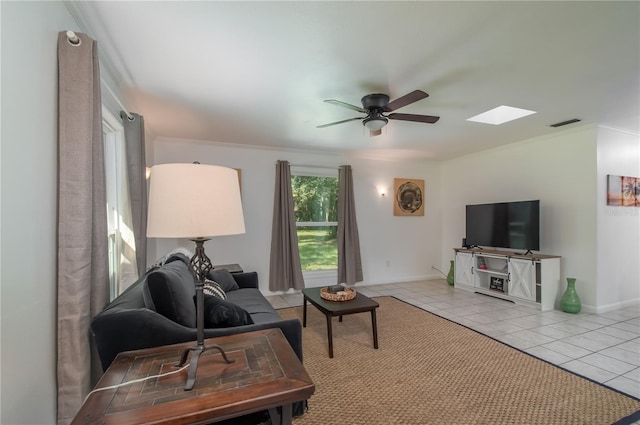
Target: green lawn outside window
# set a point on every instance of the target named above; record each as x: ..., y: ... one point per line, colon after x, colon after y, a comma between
x: 318, y: 248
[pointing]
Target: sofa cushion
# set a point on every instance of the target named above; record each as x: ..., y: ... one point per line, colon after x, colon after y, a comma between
x: 252, y: 300
x: 171, y: 289
x: 224, y: 278
x: 219, y: 313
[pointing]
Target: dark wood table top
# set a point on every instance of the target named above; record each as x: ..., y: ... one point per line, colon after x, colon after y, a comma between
x: 266, y: 374
x: 359, y: 304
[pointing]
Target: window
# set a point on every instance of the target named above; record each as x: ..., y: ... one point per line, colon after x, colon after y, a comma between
x: 122, y: 248
x: 315, y: 199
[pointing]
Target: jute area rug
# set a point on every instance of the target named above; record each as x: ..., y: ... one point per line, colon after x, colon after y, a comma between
x: 429, y: 370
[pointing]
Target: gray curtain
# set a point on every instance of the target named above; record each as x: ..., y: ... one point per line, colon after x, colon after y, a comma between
x: 136, y: 175
x: 83, y: 277
x: 349, y: 261
x: 285, y: 271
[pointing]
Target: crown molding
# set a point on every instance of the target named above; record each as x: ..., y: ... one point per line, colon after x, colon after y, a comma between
x: 112, y: 71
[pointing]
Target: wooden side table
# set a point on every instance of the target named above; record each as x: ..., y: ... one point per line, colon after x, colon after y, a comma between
x: 266, y: 374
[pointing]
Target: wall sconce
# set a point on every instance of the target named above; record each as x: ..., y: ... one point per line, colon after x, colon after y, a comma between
x: 382, y: 190
x: 147, y: 172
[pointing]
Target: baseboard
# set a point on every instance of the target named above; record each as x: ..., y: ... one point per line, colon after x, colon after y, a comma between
x: 402, y: 280
x: 616, y: 306
x: 313, y: 283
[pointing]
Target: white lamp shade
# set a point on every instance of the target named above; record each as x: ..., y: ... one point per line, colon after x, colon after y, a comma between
x: 194, y: 201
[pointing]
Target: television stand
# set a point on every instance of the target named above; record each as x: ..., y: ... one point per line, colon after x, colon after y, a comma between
x: 529, y: 279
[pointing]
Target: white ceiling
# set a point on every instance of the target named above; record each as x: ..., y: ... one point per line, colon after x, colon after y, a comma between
x: 257, y: 72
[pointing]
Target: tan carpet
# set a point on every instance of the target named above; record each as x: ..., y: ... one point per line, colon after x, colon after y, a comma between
x: 429, y: 370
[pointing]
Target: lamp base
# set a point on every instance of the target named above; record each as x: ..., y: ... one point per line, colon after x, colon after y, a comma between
x: 200, y: 265
x: 193, y: 365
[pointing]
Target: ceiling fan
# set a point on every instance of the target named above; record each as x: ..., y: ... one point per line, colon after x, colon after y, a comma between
x: 374, y: 105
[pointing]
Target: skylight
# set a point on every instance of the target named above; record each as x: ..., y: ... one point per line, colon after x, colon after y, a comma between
x: 500, y: 115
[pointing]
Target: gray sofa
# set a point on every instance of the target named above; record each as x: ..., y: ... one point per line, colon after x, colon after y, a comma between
x: 159, y: 309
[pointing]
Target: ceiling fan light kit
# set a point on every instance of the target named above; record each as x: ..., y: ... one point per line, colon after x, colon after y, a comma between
x: 375, y: 123
x: 375, y: 104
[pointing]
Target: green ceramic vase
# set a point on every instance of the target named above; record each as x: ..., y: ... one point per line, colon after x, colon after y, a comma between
x: 570, y: 302
x: 450, y: 275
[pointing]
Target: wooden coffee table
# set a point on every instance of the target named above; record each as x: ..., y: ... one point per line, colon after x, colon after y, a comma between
x: 360, y: 304
x: 266, y: 374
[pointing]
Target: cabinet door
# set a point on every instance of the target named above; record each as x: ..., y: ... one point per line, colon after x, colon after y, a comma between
x: 463, y: 269
x: 522, y: 283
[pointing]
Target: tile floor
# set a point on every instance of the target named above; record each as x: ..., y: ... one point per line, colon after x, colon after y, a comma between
x: 603, y: 347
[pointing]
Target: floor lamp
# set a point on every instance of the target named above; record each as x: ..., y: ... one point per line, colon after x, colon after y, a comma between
x: 196, y: 202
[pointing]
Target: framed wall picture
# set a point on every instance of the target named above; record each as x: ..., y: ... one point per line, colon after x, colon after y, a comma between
x: 623, y: 191
x: 408, y: 197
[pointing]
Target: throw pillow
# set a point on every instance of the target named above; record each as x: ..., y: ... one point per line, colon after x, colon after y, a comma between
x: 212, y: 287
x: 223, y: 314
x: 224, y: 278
x: 182, y: 254
x: 170, y: 290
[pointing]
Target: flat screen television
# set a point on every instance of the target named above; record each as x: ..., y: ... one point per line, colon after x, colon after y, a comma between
x: 513, y: 225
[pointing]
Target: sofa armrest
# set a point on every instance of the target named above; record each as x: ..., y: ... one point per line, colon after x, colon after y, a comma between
x: 246, y: 279
x: 119, y: 330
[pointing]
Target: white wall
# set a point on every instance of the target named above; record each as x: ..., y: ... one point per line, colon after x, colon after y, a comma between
x: 393, y: 248
x: 29, y: 186
x: 558, y: 170
x: 618, y: 265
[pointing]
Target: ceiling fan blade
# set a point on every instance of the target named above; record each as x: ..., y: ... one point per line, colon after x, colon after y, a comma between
x: 346, y: 105
x: 339, y: 122
x: 373, y: 133
x: 429, y: 119
x: 405, y: 100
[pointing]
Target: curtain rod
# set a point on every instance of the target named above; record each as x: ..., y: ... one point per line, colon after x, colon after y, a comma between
x: 74, y: 40
x: 315, y: 166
